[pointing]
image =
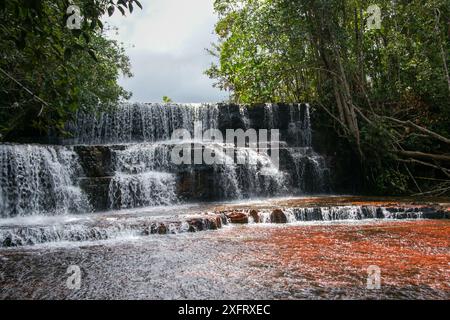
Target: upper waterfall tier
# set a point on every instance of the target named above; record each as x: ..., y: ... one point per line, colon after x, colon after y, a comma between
x: 141, y: 122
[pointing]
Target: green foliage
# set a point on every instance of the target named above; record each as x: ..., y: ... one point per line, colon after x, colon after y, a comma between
x: 50, y: 71
x: 166, y: 99
x: 320, y: 51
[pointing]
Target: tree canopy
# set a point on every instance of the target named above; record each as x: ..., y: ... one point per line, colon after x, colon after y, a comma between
x: 386, y: 91
x: 48, y: 71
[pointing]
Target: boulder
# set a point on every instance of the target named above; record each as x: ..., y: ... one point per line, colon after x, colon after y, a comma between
x: 278, y: 216
x: 214, y: 222
x: 255, y: 215
x: 162, y: 229
x: 237, y: 217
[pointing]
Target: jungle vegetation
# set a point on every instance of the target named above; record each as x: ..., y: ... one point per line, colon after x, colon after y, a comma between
x: 384, y: 92
x: 49, y: 71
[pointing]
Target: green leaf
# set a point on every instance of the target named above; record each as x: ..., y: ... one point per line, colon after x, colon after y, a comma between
x: 111, y: 10
x: 67, y: 54
x: 86, y: 37
x: 93, y: 55
x: 138, y: 4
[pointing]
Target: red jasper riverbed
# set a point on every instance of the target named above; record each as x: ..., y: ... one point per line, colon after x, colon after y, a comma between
x: 298, y: 261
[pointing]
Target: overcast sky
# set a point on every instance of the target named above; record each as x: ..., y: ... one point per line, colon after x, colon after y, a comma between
x: 169, y: 56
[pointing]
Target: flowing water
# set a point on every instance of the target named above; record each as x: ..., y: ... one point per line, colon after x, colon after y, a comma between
x: 111, y: 200
x: 39, y: 180
x: 307, y: 261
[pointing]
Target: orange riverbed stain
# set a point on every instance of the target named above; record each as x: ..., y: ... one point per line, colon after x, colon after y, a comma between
x: 412, y: 253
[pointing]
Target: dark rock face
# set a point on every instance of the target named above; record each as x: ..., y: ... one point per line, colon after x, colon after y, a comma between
x: 278, y: 216
x: 196, y: 185
x: 422, y: 212
x: 288, y: 118
x: 96, y: 160
x: 231, y: 116
x: 97, y: 190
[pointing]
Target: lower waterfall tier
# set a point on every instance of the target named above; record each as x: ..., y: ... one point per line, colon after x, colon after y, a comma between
x: 182, y: 219
x: 142, y: 190
x: 140, y: 175
x: 40, y: 180
x: 54, y: 180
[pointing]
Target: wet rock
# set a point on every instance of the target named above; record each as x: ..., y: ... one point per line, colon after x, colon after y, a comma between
x: 237, y: 217
x: 433, y: 213
x: 255, y: 215
x: 97, y: 191
x: 162, y: 229
x: 278, y: 216
x: 314, y: 215
x: 379, y: 213
x: 214, y: 223
x: 96, y: 160
x: 196, y: 184
x: 196, y: 224
x: 207, y: 223
x: 223, y: 219
x: 158, y: 228
x: 231, y: 117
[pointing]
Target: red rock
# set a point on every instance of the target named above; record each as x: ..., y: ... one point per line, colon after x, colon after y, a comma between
x: 255, y: 215
x: 278, y: 216
x: 214, y: 223
x: 237, y: 217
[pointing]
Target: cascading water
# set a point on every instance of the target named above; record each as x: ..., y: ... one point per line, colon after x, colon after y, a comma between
x: 138, y: 167
x: 123, y: 160
x: 39, y: 180
x: 137, y: 137
x: 300, y: 125
x: 142, y: 190
x: 309, y: 168
x: 141, y: 122
x: 259, y: 176
x: 140, y: 177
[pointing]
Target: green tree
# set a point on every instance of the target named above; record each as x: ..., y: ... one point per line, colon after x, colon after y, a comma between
x: 386, y: 91
x: 48, y: 71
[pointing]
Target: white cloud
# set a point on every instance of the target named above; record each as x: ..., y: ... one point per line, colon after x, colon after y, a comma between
x: 169, y: 57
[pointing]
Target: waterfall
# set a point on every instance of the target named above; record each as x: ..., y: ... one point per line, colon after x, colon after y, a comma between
x: 142, y: 177
x: 258, y: 176
x: 309, y: 170
x: 126, y: 154
x: 144, y: 157
x: 270, y: 116
x: 141, y: 122
x: 142, y: 190
x: 300, y: 125
x: 40, y: 180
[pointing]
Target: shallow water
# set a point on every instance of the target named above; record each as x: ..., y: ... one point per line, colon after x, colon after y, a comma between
x: 311, y: 260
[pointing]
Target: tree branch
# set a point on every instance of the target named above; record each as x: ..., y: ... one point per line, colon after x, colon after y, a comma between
x: 418, y: 154
x: 27, y: 90
x: 422, y: 129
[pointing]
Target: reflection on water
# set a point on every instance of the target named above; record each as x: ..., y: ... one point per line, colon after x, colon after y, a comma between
x: 297, y: 261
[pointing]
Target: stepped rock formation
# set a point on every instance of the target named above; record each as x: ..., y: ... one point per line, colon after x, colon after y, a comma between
x: 122, y: 161
x: 126, y: 155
